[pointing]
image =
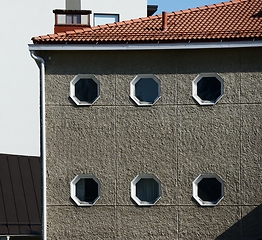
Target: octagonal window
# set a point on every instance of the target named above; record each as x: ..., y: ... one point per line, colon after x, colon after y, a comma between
x: 208, y: 88
x: 146, y: 189
x: 145, y: 89
x: 208, y: 189
x: 85, y: 190
x: 84, y: 89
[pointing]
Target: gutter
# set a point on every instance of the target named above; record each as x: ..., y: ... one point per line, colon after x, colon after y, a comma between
x: 145, y: 46
x: 41, y: 64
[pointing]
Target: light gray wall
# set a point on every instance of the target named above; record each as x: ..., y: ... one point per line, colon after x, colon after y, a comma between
x: 19, y: 91
x: 128, y: 9
x: 73, y: 4
x: 176, y: 139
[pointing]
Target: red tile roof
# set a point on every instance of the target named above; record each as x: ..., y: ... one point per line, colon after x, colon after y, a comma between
x: 234, y: 20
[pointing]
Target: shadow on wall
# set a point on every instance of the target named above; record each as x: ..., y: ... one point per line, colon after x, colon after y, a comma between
x: 248, y: 228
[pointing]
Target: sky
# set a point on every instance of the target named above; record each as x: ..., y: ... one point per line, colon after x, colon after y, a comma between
x: 19, y: 91
x: 176, y: 5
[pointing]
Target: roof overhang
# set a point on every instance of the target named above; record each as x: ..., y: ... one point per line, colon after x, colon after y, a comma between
x: 144, y: 46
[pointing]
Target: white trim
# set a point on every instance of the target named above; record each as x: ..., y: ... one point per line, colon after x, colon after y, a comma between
x: 133, y: 189
x: 194, y: 88
x: 195, y: 189
x: 133, y: 89
x: 73, y: 190
x: 43, y: 138
x: 72, y: 89
x: 145, y: 46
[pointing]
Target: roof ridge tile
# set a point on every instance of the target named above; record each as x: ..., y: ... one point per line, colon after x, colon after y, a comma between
x: 219, y: 4
x: 96, y: 27
x: 202, y: 7
x: 136, y: 20
x: 119, y: 23
x: 111, y: 24
x: 211, y: 6
x: 227, y: 3
x: 127, y: 21
x: 193, y: 9
x: 53, y: 35
x: 70, y: 32
x: 61, y: 33
x: 87, y: 29
x: 78, y: 30
x: 185, y: 11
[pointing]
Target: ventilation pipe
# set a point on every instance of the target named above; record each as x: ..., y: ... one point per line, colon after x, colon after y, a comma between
x: 164, y: 21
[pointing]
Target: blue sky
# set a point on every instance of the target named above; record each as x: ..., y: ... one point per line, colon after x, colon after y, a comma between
x: 176, y: 5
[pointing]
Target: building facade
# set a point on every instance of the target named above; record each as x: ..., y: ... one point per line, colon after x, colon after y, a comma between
x: 114, y: 11
x: 157, y: 133
x: 23, y: 107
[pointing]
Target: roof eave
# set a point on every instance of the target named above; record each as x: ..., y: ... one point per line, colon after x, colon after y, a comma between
x: 144, y: 46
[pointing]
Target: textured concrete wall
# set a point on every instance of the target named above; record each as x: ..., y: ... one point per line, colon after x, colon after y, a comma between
x: 176, y: 139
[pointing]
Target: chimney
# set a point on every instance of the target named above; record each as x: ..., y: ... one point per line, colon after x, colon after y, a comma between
x: 164, y: 21
x: 66, y: 20
x: 73, y: 4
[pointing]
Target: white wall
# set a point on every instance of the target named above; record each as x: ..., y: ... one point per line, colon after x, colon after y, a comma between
x: 19, y: 94
x: 128, y: 9
x: 19, y: 91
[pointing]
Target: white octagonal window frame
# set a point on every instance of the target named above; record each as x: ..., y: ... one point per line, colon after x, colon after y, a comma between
x: 134, y: 193
x: 133, y: 89
x: 194, y: 88
x: 195, y: 189
x: 72, y: 89
x: 73, y: 189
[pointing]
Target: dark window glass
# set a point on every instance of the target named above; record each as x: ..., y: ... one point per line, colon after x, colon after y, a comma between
x: 209, y: 89
x: 87, y: 190
x: 147, y: 190
x: 146, y: 90
x: 73, y: 19
x: 76, y: 19
x: 209, y: 189
x: 86, y: 90
x: 69, y: 18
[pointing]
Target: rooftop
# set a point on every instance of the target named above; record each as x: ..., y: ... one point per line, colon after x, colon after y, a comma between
x: 20, y: 191
x: 227, y: 21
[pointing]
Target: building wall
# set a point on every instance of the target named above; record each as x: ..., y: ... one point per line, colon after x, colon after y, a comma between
x: 130, y: 9
x: 19, y: 92
x: 176, y: 139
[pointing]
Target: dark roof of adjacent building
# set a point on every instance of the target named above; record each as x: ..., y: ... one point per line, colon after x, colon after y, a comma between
x: 20, y: 195
x: 234, y: 20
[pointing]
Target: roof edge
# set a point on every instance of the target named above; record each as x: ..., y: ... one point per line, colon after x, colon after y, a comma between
x: 152, y: 46
x: 141, y: 19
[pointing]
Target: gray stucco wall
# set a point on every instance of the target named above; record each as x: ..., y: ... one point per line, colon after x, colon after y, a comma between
x: 176, y: 139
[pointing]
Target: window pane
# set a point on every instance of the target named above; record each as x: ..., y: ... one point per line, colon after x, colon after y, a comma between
x: 147, y: 190
x: 76, y: 19
x: 84, y: 19
x: 100, y: 19
x: 86, y: 90
x: 209, y: 189
x: 69, y: 18
x: 87, y: 190
x: 146, y: 90
x: 61, y: 19
x: 209, y: 88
